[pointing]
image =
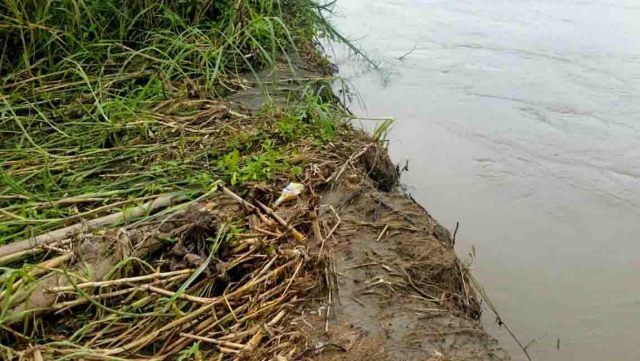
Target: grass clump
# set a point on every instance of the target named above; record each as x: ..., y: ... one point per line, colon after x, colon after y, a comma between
x: 106, y: 102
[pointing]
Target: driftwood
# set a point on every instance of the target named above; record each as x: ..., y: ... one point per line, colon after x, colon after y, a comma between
x: 116, y: 218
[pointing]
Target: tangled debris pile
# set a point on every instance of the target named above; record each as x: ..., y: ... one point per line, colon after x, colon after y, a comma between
x: 174, y: 273
x: 218, y: 271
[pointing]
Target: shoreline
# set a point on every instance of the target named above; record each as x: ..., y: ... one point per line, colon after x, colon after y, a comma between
x: 191, y: 257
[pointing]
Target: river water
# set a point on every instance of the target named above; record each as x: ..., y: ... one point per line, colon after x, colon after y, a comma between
x: 520, y: 120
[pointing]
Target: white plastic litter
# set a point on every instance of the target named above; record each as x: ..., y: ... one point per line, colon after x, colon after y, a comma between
x: 289, y: 192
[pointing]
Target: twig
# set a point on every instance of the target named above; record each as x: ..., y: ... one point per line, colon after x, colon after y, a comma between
x: 351, y: 158
x: 277, y: 318
x: 382, y: 233
x: 464, y: 284
x: 453, y: 241
x: 408, y: 53
x: 37, y: 356
x: 162, y: 291
x: 493, y: 309
x: 61, y: 305
x: 313, y: 216
x: 239, y: 199
x: 332, y: 229
x: 120, y: 281
x: 416, y: 288
x: 370, y: 264
x: 233, y: 313
x: 214, y: 341
x: 268, y: 233
x: 248, y: 206
x: 295, y: 273
x: 297, y: 235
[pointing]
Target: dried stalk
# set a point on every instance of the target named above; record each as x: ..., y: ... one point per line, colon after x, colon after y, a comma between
x: 67, y: 232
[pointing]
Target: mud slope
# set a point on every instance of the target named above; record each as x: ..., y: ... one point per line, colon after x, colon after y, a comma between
x: 396, y: 289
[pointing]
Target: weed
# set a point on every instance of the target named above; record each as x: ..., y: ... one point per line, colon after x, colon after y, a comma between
x: 190, y: 353
x: 381, y: 133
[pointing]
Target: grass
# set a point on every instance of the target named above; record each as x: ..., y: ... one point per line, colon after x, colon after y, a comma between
x: 103, y: 102
x: 107, y: 104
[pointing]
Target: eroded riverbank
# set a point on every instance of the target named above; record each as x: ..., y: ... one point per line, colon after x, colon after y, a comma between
x: 139, y: 197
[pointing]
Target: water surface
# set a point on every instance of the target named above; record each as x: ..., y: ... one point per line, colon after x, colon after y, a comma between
x: 521, y: 120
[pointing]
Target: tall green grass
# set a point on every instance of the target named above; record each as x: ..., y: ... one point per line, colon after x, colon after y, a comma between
x: 105, y: 102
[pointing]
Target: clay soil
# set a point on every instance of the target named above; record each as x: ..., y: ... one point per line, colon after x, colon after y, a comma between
x: 396, y: 290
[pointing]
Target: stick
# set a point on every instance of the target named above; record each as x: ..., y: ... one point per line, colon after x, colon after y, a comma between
x: 453, y: 241
x: 37, y: 356
x: 313, y: 215
x: 247, y: 205
x: 336, y: 225
x: 214, y: 341
x: 239, y: 199
x: 28, y: 252
x: 67, y: 232
x: 331, y: 231
x: 60, y: 305
x: 382, y: 233
x: 187, y: 297
x: 408, y: 53
x: 277, y: 318
x: 255, y: 339
x: 120, y: 281
x: 297, y: 235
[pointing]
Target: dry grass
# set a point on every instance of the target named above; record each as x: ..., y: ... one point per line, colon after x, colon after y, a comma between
x: 211, y: 274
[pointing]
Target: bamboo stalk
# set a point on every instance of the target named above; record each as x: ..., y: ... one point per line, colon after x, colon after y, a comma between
x: 29, y: 252
x: 67, y: 232
x: 120, y: 281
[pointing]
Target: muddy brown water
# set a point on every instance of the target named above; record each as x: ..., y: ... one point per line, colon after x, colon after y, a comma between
x: 520, y: 120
